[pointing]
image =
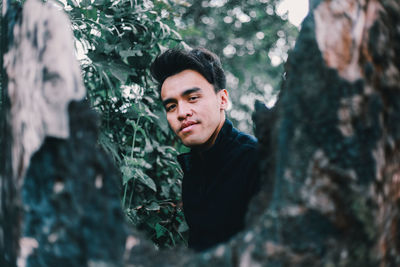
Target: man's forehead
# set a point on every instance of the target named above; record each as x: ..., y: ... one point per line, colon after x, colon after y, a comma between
x: 175, y: 85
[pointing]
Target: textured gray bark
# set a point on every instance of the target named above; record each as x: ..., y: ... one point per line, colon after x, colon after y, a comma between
x: 331, y: 172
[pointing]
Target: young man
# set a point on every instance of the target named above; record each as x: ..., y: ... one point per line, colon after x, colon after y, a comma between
x: 221, y: 170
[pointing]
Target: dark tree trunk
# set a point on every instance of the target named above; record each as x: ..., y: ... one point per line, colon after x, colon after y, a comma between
x: 336, y: 141
x: 9, y: 197
x: 331, y: 167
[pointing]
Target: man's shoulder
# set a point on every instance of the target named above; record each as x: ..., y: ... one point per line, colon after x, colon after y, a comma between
x: 244, y: 140
x: 243, y: 147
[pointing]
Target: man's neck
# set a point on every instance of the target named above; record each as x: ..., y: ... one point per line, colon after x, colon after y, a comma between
x: 211, y: 141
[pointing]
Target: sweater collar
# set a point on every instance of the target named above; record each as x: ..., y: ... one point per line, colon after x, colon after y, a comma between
x: 221, y: 141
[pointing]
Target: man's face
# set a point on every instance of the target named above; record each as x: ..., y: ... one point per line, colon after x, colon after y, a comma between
x: 194, y: 111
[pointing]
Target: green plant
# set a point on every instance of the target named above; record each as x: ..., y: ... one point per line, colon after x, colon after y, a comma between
x: 120, y: 40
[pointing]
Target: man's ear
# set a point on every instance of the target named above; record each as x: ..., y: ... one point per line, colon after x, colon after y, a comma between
x: 223, y: 98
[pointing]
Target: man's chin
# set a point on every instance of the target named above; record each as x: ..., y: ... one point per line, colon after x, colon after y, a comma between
x: 191, y: 142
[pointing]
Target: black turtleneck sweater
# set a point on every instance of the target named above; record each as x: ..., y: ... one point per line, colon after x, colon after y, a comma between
x: 217, y: 186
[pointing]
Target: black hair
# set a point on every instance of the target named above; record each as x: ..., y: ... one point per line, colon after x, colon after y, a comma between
x: 174, y: 61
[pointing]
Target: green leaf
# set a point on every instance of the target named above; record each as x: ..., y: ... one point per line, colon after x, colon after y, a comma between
x: 99, y: 2
x: 91, y: 13
x: 72, y: 3
x: 146, y: 180
x: 127, y: 174
x: 162, y: 120
x: 165, y: 191
x: 120, y: 74
x: 130, y: 53
x: 152, y: 221
x: 160, y: 230
x: 85, y: 3
x: 148, y: 147
x: 153, y: 206
x: 108, y: 145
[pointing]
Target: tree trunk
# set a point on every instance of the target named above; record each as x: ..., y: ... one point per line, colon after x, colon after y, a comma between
x: 331, y: 172
x: 9, y: 200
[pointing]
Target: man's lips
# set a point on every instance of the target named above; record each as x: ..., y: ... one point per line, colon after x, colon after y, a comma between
x: 187, y: 126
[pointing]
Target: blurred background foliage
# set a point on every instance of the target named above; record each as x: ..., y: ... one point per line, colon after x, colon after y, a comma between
x: 252, y: 41
x: 116, y: 42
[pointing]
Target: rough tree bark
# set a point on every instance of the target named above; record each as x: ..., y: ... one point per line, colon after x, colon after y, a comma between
x: 331, y: 172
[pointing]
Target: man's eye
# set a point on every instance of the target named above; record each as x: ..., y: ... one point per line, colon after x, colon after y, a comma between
x: 169, y: 108
x: 192, y: 98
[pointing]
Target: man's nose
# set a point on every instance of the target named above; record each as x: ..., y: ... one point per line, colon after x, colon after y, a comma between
x: 184, y: 111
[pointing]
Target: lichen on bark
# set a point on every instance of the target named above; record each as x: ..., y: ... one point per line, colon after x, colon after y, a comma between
x: 43, y: 77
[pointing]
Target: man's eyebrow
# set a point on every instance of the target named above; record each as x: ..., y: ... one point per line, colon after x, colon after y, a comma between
x: 184, y: 93
x: 190, y: 91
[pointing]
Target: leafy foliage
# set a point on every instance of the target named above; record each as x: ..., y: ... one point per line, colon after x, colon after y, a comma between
x: 120, y: 40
